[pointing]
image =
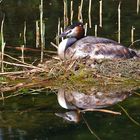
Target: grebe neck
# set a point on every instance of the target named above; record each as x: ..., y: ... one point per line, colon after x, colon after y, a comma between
x: 64, y: 45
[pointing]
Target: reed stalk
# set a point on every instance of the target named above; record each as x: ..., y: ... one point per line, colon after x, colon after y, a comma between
x: 86, y: 27
x: 132, y: 35
x: 80, y: 9
x: 119, y: 22
x: 61, y: 31
x: 89, y: 14
x: 24, y: 42
x: 71, y: 11
x: 37, y: 34
x: 138, y: 6
x: 101, y: 13
x: 58, y: 32
x: 41, y: 31
x: 2, y: 45
x: 65, y: 13
x: 96, y: 30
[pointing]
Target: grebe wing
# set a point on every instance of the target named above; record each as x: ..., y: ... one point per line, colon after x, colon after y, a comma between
x: 96, y: 47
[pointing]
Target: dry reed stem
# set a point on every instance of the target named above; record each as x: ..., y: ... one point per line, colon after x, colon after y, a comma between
x: 24, y: 42
x: 132, y: 35
x: 16, y: 60
x: 89, y: 128
x: 37, y: 34
x: 100, y: 13
x: 71, y: 11
x: 22, y: 65
x: 89, y: 14
x: 65, y: 13
x: 86, y: 27
x: 119, y: 22
x: 2, y: 45
x: 54, y: 45
x: 22, y: 53
x: 134, y: 121
x: 41, y: 30
x: 96, y: 30
x: 24, y: 33
x: 138, y: 6
x: 58, y: 32
x: 102, y: 110
x: 80, y: 8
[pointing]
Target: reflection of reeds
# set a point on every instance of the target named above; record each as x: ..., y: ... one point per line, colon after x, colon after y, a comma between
x: 89, y: 13
x: 119, y: 22
x: 100, y: 13
x: 2, y: 45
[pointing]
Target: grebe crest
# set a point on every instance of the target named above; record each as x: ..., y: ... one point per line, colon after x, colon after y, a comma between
x: 76, y: 45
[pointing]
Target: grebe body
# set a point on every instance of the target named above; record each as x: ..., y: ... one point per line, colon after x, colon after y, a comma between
x: 76, y: 45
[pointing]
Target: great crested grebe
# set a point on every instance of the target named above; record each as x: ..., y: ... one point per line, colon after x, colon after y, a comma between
x: 77, y: 45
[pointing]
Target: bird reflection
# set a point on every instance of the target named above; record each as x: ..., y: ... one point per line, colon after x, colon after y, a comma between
x: 77, y: 102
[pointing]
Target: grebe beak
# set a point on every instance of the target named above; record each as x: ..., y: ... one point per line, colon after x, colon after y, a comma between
x: 65, y: 33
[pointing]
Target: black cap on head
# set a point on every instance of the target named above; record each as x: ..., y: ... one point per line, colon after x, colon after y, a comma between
x: 74, y: 25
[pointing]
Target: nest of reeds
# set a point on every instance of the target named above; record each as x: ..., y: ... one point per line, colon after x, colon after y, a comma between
x: 74, y: 73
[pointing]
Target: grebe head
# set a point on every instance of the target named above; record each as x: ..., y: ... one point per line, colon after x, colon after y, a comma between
x: 75, y: 30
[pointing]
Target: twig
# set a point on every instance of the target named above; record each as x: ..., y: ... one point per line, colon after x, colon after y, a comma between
x: 12, y: 73
x: 54, y: 45
x: 102, y: 110
x: 135, y: 122
x: 134, y: 42
x: 21, y: 65
x: 20, y: 61
x: 91, y: 131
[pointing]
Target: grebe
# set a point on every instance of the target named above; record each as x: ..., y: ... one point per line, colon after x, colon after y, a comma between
x: 77, y: 45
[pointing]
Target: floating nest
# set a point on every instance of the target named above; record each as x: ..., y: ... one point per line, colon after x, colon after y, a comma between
x: 83, y: 73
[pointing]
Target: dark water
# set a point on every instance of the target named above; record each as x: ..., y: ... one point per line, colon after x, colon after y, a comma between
x: 33, y: 116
